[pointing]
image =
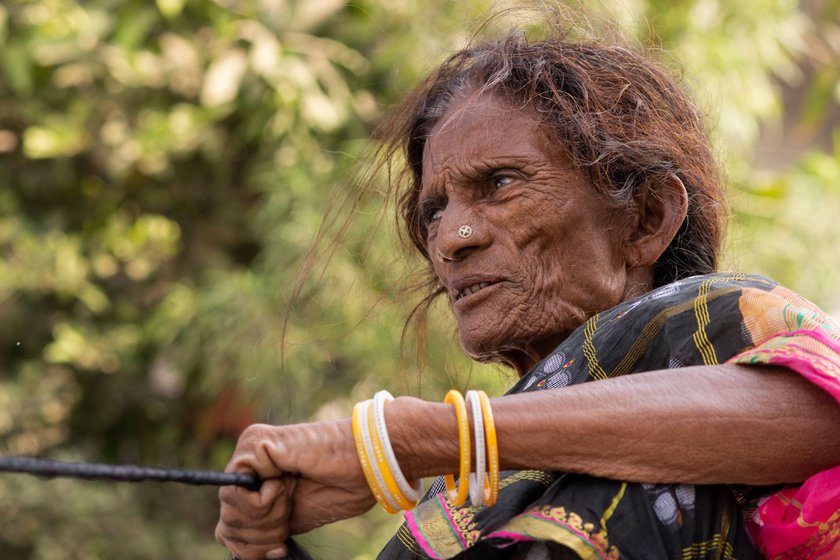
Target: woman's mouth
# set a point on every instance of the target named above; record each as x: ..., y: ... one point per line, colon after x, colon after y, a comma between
x: 469, y: 290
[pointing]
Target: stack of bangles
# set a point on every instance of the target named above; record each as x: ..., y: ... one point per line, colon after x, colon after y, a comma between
x: 384, y: 476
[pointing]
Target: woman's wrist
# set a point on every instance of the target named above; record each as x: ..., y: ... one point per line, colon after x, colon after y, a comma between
x: 424, y: 436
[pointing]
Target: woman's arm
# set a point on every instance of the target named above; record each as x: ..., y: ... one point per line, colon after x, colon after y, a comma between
x: 702, y: 424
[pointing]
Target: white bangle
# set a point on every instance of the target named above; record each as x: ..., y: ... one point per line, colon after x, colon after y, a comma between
x: 377, y: 473
x: 412, y: 493
x: 478, y: 479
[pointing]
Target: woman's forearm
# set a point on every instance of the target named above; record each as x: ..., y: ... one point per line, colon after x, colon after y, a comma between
x: 704, y: 424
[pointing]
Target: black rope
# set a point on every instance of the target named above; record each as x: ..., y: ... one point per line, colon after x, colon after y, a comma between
x: 125, y: 473
x: 131, y: 473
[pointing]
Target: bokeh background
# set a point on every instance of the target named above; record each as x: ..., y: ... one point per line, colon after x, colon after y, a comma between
x: 165, y: 166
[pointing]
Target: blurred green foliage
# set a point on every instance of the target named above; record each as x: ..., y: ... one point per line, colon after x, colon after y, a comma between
x: 166, y: 165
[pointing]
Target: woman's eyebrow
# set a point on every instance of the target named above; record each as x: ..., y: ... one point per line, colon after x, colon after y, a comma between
x: 475, y: 170
x: 428, y: 185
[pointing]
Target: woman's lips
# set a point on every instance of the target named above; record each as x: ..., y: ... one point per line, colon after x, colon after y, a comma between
x: 472, y: 289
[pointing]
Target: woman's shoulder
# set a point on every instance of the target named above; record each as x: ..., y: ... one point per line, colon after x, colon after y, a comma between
x: 686, y: 294
x: 707, y: 283
x: 756, y: 296
x: 716, y: 303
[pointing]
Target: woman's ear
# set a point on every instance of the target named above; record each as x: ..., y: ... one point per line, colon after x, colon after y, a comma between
x: 661, y: 207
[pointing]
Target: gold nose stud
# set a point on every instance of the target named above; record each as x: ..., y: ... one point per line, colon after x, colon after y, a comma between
x: 464, y: 232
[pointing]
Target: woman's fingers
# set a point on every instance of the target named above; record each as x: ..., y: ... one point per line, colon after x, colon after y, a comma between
x: 255, y: 525
x: 257, y: 504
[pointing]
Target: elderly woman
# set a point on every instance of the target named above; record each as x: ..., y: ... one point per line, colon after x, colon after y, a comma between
x: 568, y: 206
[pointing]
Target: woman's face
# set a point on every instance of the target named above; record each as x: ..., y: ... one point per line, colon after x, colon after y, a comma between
x: 544, y: 253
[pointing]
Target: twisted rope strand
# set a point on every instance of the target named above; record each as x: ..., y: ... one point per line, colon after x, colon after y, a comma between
x: 125, y: 473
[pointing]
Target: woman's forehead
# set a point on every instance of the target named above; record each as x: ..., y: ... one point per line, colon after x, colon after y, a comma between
x: 483, y: 113
x: 487, y: 126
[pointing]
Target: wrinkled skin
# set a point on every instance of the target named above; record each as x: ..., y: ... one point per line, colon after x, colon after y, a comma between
x: 552, y: 251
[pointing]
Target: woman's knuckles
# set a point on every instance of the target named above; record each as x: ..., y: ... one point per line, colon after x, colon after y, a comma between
x: 261, y: 534
x: 242, y: 514
x: 239, y: 519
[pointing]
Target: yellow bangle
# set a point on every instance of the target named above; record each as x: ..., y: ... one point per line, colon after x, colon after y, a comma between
x: 367, y: 468
x: 455, y: 398
x: 382, y: 464
x: 492, y: 448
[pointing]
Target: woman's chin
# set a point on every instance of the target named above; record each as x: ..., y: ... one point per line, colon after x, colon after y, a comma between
x: 497, y: 350
x: 481, y: 349
x: 520, y: 350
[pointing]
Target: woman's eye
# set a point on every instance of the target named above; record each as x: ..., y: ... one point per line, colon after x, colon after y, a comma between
x: 431, y: 209
x: 500, y: 181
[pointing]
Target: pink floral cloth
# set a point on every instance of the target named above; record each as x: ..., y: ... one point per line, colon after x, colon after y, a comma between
x: 803, y: 521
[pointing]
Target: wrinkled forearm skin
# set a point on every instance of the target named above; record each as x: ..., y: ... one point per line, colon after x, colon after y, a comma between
x: 698, y: 425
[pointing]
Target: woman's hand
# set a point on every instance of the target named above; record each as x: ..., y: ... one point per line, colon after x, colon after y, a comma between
x: 312, y: 477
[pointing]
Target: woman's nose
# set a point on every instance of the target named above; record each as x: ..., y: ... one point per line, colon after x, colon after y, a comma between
x: 460, y: 233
